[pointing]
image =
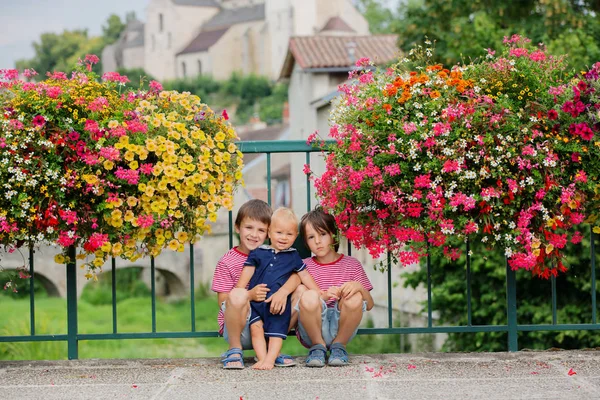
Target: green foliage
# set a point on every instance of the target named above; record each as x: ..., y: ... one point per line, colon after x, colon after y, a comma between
x: 21, y: 285
x: 461, y: 28
x: 271, y: 107
x: 379, y: 17
x: 112, y: 29
x: 138, y: 78
x: 128, y: 285
x: 489, y: 300
x: 56, y: 52
x: 202, y: 86
x: 59, y: 52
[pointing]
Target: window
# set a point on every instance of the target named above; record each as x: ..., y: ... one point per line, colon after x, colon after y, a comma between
x: 199, y: 67
x: 160, y: 22
x: 183, y: 69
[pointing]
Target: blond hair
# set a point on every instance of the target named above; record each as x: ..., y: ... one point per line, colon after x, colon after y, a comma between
x: 285, y: 214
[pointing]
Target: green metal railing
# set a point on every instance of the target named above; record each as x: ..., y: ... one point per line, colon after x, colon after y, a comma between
x: 512, y: 327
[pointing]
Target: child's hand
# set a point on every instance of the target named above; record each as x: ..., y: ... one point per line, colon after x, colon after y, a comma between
x: 259, y: 292
x: 333, y: 292
x: 348, y: 289
x: 278, y: 302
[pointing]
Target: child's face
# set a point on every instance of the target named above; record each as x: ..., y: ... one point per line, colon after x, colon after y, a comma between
x: 252, y: 234
x: 319, y: 242
x: 282, y: 233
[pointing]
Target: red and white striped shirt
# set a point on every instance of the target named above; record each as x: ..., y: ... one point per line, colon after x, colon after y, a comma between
x: 227, y: 274
x: 342, y: 270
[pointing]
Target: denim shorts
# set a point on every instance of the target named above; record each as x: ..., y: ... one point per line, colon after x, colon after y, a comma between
x: 246, y: 337
x: 330, y: 318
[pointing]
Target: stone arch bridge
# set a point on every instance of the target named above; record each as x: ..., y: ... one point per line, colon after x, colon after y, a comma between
x: 172, y: 270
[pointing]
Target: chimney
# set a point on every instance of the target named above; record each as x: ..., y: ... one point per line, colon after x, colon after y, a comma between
x: 286, y: 113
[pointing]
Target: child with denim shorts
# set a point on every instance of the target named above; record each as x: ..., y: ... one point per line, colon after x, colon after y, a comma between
x: 252, y: 224
x: 273, y: 265
x: 328, y: 318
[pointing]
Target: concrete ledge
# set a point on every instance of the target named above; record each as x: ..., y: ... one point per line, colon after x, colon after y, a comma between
x: 526, y: 375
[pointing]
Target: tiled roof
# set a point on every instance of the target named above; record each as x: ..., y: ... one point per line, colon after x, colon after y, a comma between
x: 337, y: 24
x: 228, y: 17
x: 197, y: 3
x: 332, y: 51
x: 203, y: 41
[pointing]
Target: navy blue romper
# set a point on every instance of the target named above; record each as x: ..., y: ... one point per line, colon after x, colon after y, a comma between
x: 274, y: 269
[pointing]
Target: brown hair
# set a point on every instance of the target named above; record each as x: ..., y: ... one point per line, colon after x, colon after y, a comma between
x: 254, y: 209
x: 321, y: 222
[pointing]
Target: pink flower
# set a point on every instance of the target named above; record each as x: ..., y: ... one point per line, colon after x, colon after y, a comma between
x: 363, y: 62
x: 115, y: 77
x: 38, y: 121
x: 451, y: 166
x: 576, y: 238
x: 155, y: 86
x: 145, y: 221
x: 225, y: 115
x: 422, y: 181
x: 409, y: 128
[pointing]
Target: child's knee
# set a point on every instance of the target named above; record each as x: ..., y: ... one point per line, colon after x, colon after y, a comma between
x: 237, y: 298
x: 310, y: 300
x: 352, y: 303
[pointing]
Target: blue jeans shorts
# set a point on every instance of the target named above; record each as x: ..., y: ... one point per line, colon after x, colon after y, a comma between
x: 246, y: 337
x: 330, y: 318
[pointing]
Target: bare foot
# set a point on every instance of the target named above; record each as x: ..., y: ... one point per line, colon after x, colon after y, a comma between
x: 258, y: 365
x: 266, y: 366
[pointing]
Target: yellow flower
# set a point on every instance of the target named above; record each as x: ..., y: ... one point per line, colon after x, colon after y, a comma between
x: 168, y: 234
x: 219, y: 137
x: 129, y: 155
x: 182, y: 237
x: 132, y: 201
x: 151, y: 145
x: 116, y: 214
x: 212, y: 217
x: 113, y: 124
x: 129, y: 216
x: 117, y: 249
x: 173, y: 244
x: 133, y: 165
x: 59, y: 259
x: 108, y: 165
x: 211, y: 207
x: 106, y: 247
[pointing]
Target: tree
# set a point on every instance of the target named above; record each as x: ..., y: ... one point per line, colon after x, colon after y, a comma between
x: 489, y: 300
x: 59, y: 52
x: 377, y: 14
x: 463, y: 28
x: 112, y: 29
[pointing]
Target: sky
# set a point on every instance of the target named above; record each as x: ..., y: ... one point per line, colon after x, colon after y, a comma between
x: 23, y: 21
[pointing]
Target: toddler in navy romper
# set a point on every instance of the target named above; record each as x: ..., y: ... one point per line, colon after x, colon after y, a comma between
x: 273, y: 269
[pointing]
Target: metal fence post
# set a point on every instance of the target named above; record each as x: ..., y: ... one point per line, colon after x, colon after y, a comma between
x: 511, y: 308
x: 72, y: 341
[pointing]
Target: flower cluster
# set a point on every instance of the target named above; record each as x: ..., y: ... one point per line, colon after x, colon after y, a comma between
x: 506, y: 147
x: 118, y: 174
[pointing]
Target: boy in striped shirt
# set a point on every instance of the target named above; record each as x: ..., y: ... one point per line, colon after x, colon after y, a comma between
x: 252, y: 224
x: 329, y: 319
